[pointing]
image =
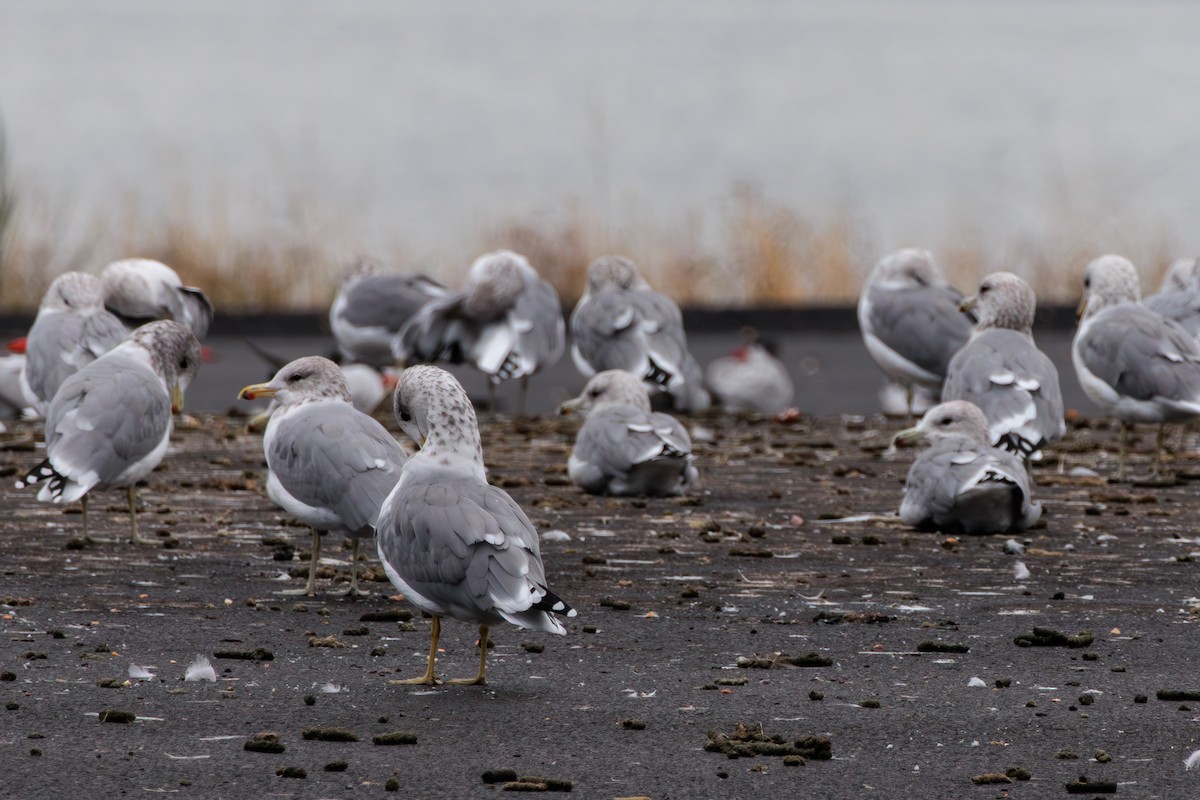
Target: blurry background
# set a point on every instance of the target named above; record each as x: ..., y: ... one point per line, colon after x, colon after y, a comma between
x: 743, y: 152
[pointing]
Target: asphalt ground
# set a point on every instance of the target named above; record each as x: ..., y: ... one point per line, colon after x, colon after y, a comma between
x: 696, y: 615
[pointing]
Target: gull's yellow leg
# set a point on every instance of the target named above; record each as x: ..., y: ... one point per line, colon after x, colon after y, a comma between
x: 481, y: 678
x: 83, y: 505
x: 428, y: 679
x: 1121, y: 452
x: 310, y: 588
x: 353, y: 591
x: 132, y: 493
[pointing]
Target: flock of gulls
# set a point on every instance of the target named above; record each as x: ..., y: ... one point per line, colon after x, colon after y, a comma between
x: 109, y: 356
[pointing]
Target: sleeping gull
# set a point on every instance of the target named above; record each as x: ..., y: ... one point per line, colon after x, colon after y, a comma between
x: 72, y: 329
x: 751, y: 378
x: 623, y: 448
x: 331, y: 466
x: 1179, y: 296
x: 1135, y: 365
x: 506, y: 321
x: 621, y: 323
x: 450, y: 542
x: 370, y: 308
x: 1001, y: 370
x: 109, y: 424
x: 961, y: 482
x: 910, y: 319
x: 139, y: 290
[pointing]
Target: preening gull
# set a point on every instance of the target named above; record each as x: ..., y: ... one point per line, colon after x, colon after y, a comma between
x: 331, y: 466
x: 621, y: 323
x: 751, y: 378
x: 961, y: 482
x: 623, y: 448
x: 109, y: 424
x: 140, y: 290
x: 1134, y: 364
x: 506, y: 321
x: 72, y: 329
x: 1001, y: 370
x: 372, y: 306
x: 450, y: 542
x: 1179, y: 296
x: 910, y: 319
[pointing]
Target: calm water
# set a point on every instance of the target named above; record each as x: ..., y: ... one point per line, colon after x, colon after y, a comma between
x: 423, y: 123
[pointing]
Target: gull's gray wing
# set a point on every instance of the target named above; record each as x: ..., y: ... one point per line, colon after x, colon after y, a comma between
x: 109, y: 415
x: 387, y: 301
x: 604, y: 334
x: 466, y: 549
x: 437, y: 332
x: 621, y: 450
x: 330, y: 456
x: 923, y: 326
x: 1183, y: 306
x: 1141, y: 355
x: 960, y: 486
x: 1014, y: 384
x: 531, y: 335
x: 61, y: 343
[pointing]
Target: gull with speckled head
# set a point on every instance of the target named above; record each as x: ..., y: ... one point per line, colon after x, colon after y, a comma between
x: 1002, y: 371
x: 372, y: 306
x: 109, y: 424
x: 450, y: 542
x: 1134, y: 364
x: 623, y: 448
x: 961, y: 483
x: 910, y: 320
x: 621, y: 323
x: 140, y: 290
x: 1179, y: 296
x: 330, y: 465
x: 506, y: 322
x: 72, y: 329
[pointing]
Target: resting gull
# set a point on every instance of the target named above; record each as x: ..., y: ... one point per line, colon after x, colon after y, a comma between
x: 1134, y: 364
x: 139, y: 290
x: 910, y: 319
x: 621, y: 323
x: 109, y: 424
x: 751, y: 378
x: 331, y: 466
x: 623, y: 448
x: 961, y: 482
x: 506, y: 321
x: 1001, y: 370
x: 451, y: 543
x: 370, y: 308
x: 1179, y: 296
x: 72, y: 329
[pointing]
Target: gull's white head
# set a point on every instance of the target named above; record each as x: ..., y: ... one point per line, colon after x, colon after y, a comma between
x: 614, y: 271
x: 1004, y: 300
x: 494, y: 282
x: 1108, y: 281
x: 957, y: 419
x: 174, y: 355
x: 359, y: 268
x: 434, y: 411
x: 612, y: 387
x: 304, y: 380
x: 74, y: 291
x: 141, y: 289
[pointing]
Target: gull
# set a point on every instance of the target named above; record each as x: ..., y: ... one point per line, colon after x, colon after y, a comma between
x: 1002, y: 371
x: 331, y: 466
x: 506, y: 322
x: 751, y: 378
x: 1179, y: 296
x: 372, y: 306
x: 140, y: 290
x: 961, y: 482
x: 72, y: 329
x: 621, y: 323
x: 1134, y: 364
x: 450, y: 542
x: 910, y: 320
x: 109, y: 424
x: 623, y: 448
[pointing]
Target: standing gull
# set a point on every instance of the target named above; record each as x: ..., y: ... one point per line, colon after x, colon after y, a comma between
x: 1134, y: 364
x: 450, y: 542
x: 506, y: 321
x: 109, y: 424
x: 961, y: 482
x: 72, y: 329
x: 1179, y: 296
x: 1001, y: 370
x: 751, y: 378
x: 372, y: 306
x: 621, y: 323
x: 331, y: 466
x: 139, y: 290
x: 623, y: 448
x: 910, y: 320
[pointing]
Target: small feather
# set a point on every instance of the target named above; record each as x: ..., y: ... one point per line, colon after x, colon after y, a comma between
x: 1191, y: 760
x: 1021, y: 572
x: 139, y: 673
x: 556, y: 536
x: 1014, y: 547
x: 333, y: 688
x: 976, y: 683
x: 200, y: 670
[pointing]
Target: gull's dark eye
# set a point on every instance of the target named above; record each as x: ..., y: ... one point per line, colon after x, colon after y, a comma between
x: 945, y: 421
x: 183, y: 363
x: 593, y: 393
x: 1087, y: 282
x: 984, y: 288
x: 295, y: 376
x: 405, y: 416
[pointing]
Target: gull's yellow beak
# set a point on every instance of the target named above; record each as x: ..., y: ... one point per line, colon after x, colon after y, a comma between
x: 255, y: 391
x: 569, y: 406
x: 176, y: 399
x: 908, y: 436
x: 1081, y: 309
x: 968, y: 304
